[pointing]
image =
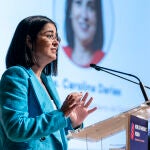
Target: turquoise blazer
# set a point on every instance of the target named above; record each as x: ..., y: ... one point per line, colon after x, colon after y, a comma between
x: 28, y: 120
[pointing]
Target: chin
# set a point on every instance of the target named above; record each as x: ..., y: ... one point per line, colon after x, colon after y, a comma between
x: 53, y: 58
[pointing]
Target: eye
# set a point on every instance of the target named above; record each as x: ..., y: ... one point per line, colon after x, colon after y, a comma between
x: 91, y: 5
x: 50, y: 36
x: 78, y: 2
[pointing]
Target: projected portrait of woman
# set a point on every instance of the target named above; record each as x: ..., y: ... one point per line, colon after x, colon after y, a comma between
x: 84, y: 31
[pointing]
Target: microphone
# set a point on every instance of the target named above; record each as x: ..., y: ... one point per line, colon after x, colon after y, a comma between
x: 98, y: 68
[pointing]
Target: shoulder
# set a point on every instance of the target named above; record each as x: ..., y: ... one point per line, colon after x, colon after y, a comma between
x: 97, y: 56
x: 16, y: 70
x: 15, y: 73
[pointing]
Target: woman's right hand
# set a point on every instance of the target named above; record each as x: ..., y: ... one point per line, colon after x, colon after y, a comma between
x: 71, y: 102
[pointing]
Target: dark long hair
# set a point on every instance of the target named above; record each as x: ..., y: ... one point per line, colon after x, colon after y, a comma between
x: 19, y: 53
x: 99, y: 36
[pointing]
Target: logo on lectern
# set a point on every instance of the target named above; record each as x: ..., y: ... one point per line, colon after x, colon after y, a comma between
x: 132, y: 131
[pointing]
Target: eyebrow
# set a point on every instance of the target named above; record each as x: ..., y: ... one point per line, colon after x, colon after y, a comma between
x: 51, y: 31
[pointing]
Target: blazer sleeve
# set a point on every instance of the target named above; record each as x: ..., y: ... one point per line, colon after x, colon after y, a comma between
x: 14, y: 117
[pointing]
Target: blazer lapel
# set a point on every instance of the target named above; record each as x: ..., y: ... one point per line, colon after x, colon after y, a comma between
x: 52, y: 90
x: 41, y: 94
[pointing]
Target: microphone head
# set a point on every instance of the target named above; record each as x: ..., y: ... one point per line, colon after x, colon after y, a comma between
x: 95, y: 67
x: 92, y: 65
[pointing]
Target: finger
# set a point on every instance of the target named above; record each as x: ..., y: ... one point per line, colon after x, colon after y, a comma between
x: 69, y: 100
x: 69, y: 103
x: 92, y: 110
x: 76, y: 93
x: 85, y: 97
x: 68, y: 97
x: 77, y: 97
x: 89, y: 102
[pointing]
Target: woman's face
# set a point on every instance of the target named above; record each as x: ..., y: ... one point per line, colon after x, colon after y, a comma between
x: 46, y: 44
x: 83, y: 16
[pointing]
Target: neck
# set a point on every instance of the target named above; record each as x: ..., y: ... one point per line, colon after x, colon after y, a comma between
x: 82, y: 53
x: 37, y: 70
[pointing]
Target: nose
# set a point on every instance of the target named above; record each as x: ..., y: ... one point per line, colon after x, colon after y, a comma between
x: 57, y: 38
x: 84, y: 13
x: 55, y: 42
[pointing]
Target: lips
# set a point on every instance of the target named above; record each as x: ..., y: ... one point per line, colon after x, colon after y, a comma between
x: 54, y: 50
x: 84, y: 26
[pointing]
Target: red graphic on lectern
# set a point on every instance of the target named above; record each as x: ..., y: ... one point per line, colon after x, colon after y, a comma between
x: 132, y: 131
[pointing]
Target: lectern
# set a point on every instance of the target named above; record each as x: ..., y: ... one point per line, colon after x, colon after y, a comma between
x: 134, y: 122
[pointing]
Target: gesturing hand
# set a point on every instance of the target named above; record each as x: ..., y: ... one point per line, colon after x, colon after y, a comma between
x: 81, y: 111
x: 70, y: 103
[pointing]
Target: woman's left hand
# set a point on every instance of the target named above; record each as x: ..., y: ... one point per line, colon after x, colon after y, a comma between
x: 78, y: 115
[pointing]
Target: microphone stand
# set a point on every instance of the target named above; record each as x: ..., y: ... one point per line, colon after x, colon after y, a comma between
x: 107, y: 70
